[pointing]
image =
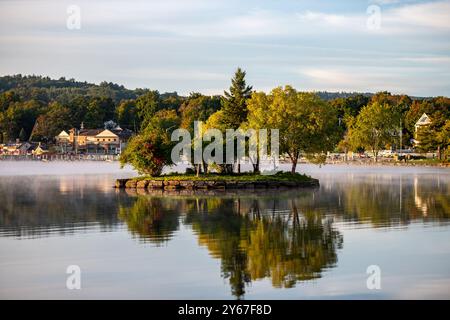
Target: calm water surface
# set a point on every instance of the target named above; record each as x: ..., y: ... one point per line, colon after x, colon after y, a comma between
x: 292, y: 244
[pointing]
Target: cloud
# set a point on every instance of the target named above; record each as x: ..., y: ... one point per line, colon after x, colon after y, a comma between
x: 428, y: 59
x: 213, y: 19
x: 434, y: 15
x: 195, y: 45
x: 372, y: 79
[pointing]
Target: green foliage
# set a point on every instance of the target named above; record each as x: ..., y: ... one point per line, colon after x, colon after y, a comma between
x: 306, y: 123
x: 147, y: 105
x: 18, y: 116
x: 149, y: 151
x: 126, y: 114
x: 350, y: 106
x: 434, y: 137
x: 427, y: 138
x: 51, y: 123
x: 234, y: 102
x: 197, y: 107
x: 374, y: 127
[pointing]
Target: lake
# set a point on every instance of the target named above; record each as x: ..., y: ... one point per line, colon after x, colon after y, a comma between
x: 273, y: 244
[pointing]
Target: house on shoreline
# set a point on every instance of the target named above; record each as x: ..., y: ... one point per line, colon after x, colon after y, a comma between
x: 22, y: 148
x: 93, y: 141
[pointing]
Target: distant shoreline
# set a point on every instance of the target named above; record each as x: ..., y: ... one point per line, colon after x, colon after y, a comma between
x: 368, y: 162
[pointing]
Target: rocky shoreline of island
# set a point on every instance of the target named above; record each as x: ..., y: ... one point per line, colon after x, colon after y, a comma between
x: 218, y: 182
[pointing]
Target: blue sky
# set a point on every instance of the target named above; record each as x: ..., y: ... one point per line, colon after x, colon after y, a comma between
x: 193, y: 45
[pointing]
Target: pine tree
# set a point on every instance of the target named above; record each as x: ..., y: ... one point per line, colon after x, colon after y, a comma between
x: 426, y: 138
x: 234, y: 103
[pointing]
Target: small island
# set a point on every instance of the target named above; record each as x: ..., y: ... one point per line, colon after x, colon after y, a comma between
x: 219, y: 182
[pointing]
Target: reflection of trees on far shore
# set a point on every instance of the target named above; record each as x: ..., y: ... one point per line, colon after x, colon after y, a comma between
x: 39, y: 206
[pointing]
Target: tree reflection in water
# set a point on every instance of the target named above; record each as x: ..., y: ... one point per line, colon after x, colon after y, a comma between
x: 255, y: 237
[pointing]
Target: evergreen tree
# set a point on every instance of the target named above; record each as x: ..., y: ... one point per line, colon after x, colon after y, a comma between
x: 234, y: 104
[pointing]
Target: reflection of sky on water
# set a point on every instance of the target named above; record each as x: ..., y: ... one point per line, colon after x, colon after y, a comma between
x: 396, y: 218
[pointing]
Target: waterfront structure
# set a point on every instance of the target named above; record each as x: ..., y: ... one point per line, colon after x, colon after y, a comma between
x: 93, y: 141
x: 39, y: 151
x: 16, y: 149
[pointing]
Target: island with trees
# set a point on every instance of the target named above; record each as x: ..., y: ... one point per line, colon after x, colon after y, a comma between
x: 312, y: 126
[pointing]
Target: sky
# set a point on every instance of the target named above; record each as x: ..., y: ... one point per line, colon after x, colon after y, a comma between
x: 196, y: 45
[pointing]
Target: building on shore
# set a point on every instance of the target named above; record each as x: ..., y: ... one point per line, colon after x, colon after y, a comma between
x: 93, y: 141
x: 39, y: 150
x: 16, y: 149
x: 22, y: 149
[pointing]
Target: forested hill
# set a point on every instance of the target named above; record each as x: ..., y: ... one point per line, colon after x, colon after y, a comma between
x: 37, y: 108
x: 62, y: 90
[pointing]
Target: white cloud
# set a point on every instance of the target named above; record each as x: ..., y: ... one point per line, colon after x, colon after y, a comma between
x: 434, y: 15
x: 428, y: 59
x: 198, y: 18
x: 372, y: 79
x: 194, y: 44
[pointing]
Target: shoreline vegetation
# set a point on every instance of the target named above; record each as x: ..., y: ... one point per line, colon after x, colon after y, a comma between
x: 218, y: 181
x: 379, y: 129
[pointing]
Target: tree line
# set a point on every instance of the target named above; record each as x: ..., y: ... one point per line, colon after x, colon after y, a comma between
x: 310, y: 123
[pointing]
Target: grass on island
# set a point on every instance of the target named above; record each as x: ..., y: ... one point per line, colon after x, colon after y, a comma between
x: 247, y: 177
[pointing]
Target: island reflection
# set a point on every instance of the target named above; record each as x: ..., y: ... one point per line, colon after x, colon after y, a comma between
x: 254, y: 236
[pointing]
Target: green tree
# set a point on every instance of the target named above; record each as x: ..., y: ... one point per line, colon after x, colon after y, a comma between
x: 374, y: 127
x: 48, y: 125
x: 434, y: 137
x: 149, y: 151
x: 306, y: 123
x: 443, y: 137
x: 19, y: 115
x: 234, y: 104
x: 98, y: 111
x: 147, y: 105
x: 197, y: 107
x: 426, y: 139
x: 126, y: 114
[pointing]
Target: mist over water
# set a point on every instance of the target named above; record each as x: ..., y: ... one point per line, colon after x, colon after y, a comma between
x: 271, y: 244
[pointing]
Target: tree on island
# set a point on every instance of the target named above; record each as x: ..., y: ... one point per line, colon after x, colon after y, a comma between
x: 307, y: 125
x: 234, y: 103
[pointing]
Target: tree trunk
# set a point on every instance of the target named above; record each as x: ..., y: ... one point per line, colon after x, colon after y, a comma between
x: 294, y: 165
x: 205, y: 167
x: 256, y: 167
x: 197, y: 167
